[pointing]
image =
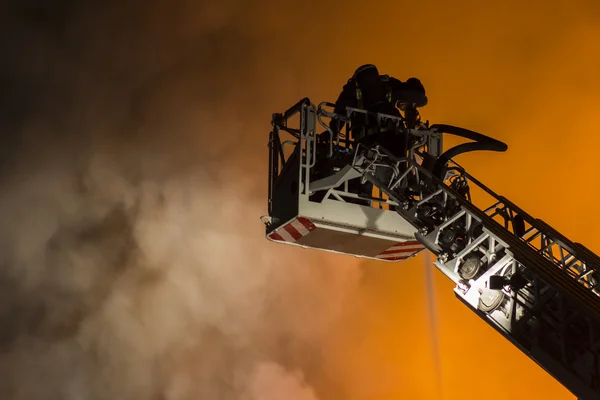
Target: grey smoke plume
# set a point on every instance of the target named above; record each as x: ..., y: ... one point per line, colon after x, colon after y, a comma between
x: 132, y: 261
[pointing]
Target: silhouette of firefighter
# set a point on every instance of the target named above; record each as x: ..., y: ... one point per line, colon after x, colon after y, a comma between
x: 367, y: 89
x: 375, y: 93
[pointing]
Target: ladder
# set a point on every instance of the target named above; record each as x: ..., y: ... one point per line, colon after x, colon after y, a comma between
x: 532, y: 284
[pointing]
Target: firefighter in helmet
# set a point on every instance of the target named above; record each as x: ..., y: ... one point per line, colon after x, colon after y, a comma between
x: 367, y: 89
x: 376, y: 93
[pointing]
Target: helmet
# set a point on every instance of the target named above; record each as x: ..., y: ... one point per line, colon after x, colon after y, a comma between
x: 366, y: 68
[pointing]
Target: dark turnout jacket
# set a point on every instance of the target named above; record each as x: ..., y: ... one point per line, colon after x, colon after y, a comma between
x: 380, y: 93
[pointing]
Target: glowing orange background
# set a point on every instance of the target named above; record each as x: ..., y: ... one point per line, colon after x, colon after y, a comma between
x: 161, y: 110
x: 523, y: 72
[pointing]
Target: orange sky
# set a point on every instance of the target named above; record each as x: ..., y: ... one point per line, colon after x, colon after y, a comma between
x: 523, y: 72
x: 167, y: 105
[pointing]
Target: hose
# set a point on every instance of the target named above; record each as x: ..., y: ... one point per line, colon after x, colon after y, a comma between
x: 482, y: 142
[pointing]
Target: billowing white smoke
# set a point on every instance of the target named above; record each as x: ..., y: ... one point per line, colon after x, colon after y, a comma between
x: 133, y: 264
x: 123, y: 285
x: 270, y: 381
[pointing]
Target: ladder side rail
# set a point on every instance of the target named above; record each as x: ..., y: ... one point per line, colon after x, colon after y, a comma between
x: 531, y: 257
x: 587, y: 260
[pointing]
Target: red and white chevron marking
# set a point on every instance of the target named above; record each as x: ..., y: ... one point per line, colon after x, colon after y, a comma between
x: 401, y: 251
x: 293, y: 231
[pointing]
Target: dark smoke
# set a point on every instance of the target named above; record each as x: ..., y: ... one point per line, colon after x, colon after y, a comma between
x: 132, y: 261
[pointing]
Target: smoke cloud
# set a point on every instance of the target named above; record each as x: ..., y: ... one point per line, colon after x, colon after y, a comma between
x: 144, y: 288
x: 133, y: 264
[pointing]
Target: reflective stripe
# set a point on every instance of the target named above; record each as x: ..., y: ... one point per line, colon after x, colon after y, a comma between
x: 359, y: 97
x: 388, y: 95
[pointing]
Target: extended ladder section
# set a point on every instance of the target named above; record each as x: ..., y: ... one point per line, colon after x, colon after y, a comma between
x: 532, y: 284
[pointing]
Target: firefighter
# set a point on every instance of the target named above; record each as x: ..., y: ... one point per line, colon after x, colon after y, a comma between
x: 375, y: 93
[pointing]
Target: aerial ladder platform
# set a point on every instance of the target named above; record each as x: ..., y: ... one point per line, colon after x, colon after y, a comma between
x: 532, y: 284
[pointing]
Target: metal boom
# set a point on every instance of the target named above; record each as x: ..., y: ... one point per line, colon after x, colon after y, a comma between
x: 536, y: 287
